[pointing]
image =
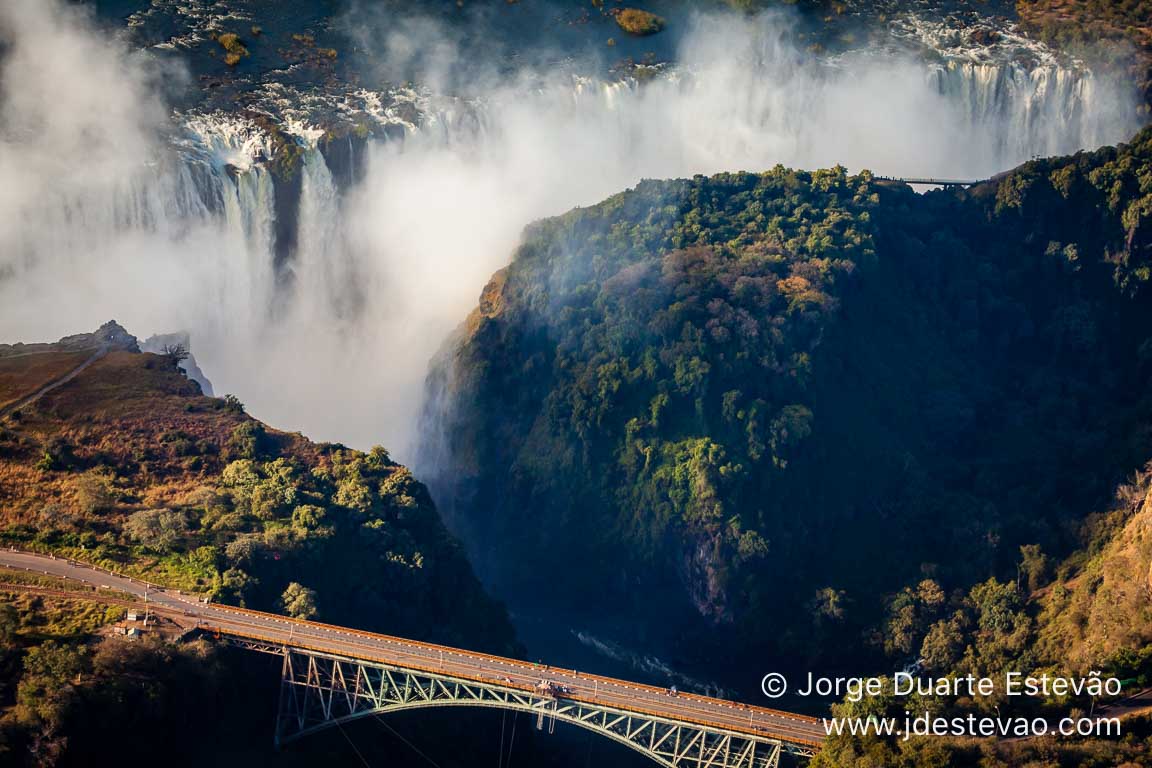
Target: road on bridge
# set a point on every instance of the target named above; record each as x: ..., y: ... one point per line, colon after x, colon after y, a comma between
x: 409, y: 654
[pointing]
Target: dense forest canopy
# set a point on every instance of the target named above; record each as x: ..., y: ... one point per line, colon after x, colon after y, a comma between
x: 757, y: 388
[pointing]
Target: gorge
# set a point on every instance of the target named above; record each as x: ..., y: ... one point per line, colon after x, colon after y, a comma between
x: 312, y: 217
x: 697, y: 387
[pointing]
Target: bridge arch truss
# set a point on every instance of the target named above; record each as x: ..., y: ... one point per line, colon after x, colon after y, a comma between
x: 320, y: 690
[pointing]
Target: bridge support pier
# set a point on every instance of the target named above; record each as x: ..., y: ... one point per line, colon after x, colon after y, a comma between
x: 319, y: 690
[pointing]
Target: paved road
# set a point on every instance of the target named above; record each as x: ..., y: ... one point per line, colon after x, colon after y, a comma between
x: 1139, y: 703
x: 254, y: 625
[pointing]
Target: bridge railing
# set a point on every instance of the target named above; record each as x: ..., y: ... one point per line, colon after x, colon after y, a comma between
x: 100, y: 569
x: 929, y: 180
x: 764, y: 733
x: 525, y: 666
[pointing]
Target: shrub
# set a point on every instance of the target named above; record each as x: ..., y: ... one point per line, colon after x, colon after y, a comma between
x: 232, y: 403
x: 180, y: 443
x: 298, y: 601
x: 57, y: 517
x: 249, y: 440
x: 93, y: 493
x: 157, y: 529
x: 234, y: 49
x: 637, y: 22
x: 58, y: 455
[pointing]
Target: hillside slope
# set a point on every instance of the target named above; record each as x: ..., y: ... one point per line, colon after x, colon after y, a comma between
x: 789, y: 394
x: 128, y: 465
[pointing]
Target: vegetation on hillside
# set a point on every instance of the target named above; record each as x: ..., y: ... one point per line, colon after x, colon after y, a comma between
x: 1108, y: 32
x: 129, y: 466
x: 886, y: 416
x: 63, y: 693
x: 1091, y: 614
x: 757, y: 386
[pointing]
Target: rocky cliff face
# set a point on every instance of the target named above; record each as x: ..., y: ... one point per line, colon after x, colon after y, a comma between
x: 157, y: 343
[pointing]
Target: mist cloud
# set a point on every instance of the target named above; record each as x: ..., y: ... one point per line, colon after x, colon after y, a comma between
x: 101, y: 220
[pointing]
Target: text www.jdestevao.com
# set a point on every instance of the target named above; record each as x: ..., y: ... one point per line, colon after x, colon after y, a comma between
x: 925, y: 724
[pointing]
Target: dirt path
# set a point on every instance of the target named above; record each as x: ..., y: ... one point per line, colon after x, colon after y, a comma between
x: 22, y: 402
x: 52, y: 351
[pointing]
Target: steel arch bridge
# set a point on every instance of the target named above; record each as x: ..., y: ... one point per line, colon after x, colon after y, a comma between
x: 331, y: 674
x: 320, y: 690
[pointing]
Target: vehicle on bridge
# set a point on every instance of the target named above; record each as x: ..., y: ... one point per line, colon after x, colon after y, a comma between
x: 332, y: 675
x: 555, y: 690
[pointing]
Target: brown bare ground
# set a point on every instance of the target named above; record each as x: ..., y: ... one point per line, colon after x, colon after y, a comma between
x: 21, y: 375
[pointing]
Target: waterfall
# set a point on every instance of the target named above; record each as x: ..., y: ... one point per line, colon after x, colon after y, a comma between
x: 325, y: 269
x: 318, y: 269
x: 1027, y: 111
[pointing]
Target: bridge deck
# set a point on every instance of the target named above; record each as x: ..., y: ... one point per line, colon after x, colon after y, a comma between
x: 443, y: 660
x: 927, y: 180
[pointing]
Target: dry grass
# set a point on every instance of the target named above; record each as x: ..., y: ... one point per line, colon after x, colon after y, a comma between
x: 1103, y: 607
x: 117, y: 419
x: 23, y: 374
x: 53, y: 618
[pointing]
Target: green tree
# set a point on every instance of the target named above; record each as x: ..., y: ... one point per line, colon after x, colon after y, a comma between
x: 236, y: 586
x: 1033, y: 566
x: 910, y: 614
x: 829, y: 605
x: 310, y: 520
x: 298, y: 601
x: 944, y: 644
x: 45, y: 692
x: 249, y: 440
x: 94, y: 493
x: 243, y: 549
x: 157, y: 529
x: 9, y: 626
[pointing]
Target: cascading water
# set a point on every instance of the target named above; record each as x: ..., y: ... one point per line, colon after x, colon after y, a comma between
x: 1018, y: 92
x: 1050, y: 109
x: 224, y: 163
x: 318, y: 291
